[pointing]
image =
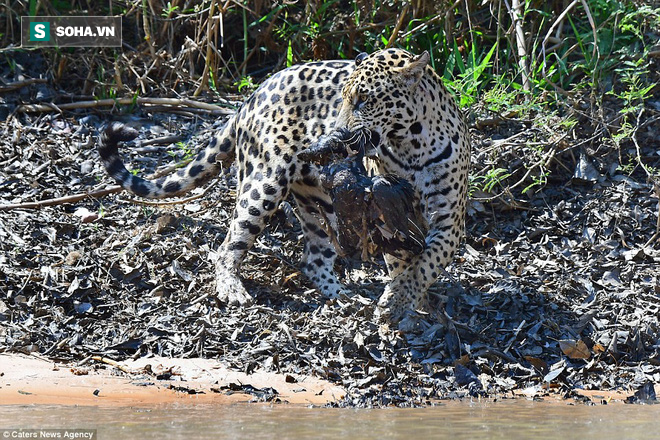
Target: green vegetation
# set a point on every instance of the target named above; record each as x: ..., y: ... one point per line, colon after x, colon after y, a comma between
x: 564, y: 75
x: 184, y: 150
x: 169, y: 10
x: 492, y: 178
x: 246, y: 84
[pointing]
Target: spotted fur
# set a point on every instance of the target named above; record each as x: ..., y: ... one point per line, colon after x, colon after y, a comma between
x: 393, y: 93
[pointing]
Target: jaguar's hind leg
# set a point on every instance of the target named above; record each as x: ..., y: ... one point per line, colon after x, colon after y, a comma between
x: 257, y: 199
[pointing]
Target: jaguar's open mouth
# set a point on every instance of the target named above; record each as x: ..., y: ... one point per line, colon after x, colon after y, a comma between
x: 340, y: 144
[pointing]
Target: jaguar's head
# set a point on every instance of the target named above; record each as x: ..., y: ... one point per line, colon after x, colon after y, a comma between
x: 382, y: 89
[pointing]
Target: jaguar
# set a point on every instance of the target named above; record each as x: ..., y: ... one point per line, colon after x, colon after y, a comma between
x: 392, y: 93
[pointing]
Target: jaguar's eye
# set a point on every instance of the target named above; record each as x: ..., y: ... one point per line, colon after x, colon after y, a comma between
x: 360, y: 102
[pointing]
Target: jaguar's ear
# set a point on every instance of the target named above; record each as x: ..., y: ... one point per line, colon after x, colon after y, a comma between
x: 360, y: 57
x: 413, y: 70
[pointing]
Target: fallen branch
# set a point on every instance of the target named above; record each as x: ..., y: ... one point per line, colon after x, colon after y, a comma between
x: 113, y: 363
x: 173, y: 103
x: 24, y: 83
x: 61, y: 200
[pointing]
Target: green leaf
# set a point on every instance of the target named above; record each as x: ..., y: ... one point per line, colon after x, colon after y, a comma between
x: 289, y: 55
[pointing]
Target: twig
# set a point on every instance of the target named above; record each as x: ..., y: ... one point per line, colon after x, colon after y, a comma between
x: 397, y: 28
x: 24, y: 83
x: 168, y: 169
x: 594, y: 52
x: 656, y: 188
x: 499, y: 143
x: 542, y: 163
x: 174, y: 103
x: 633, y: 137
x: 490, y: 352
x: 556, y: 23
x: 267, y: 32
x: 164, y: 140
x: 61, y: 200
x: 437, y: 17
x: 113, y: 363
x: 366, y: 27
x: 56, y: 345
x: 187, y: 113
x: 173, y: 5
x: 516, y: 332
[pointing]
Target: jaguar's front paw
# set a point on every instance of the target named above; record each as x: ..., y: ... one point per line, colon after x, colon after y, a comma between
x: 325, y: 281
x: 399, y: 298
x: 334, y: 291
x: 229, y: 288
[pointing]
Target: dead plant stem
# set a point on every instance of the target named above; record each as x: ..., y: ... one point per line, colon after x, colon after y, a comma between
x: 174, y: 103
x: 515, y: 10
x: 209, y: 51
x: 398, y: 26
x: 23, y: 83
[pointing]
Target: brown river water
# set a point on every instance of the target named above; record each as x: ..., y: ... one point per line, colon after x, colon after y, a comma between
x: 505, y: 419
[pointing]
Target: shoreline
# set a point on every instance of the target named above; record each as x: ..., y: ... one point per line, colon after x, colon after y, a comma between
x: 148, y: 381
x: 30, y: 380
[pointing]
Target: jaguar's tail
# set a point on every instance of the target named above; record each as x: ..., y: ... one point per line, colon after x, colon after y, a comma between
x: 203, y: 167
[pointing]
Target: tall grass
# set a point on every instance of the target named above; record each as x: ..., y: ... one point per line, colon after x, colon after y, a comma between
x: 553, y: 45
x: 511, y: 57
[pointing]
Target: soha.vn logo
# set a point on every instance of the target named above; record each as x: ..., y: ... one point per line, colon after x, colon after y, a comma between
x: 40, y: 31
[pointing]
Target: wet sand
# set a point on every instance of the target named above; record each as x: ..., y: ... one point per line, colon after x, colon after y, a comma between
x: 26, y: 380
